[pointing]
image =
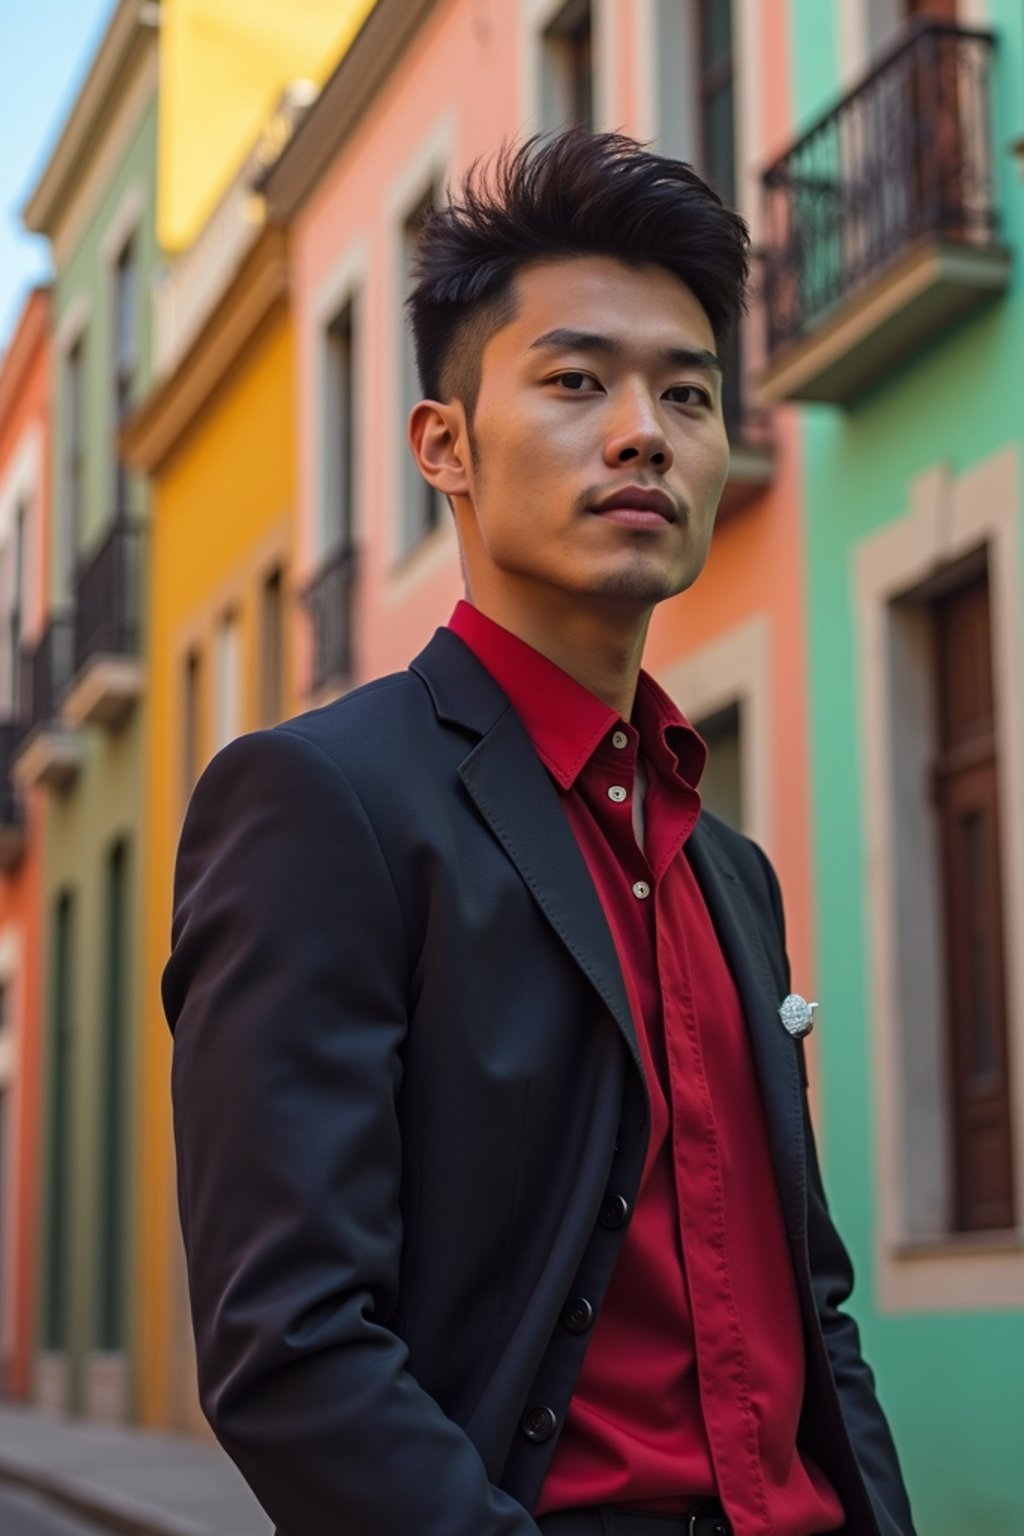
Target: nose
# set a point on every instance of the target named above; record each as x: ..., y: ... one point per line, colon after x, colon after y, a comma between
x: 636, y: 433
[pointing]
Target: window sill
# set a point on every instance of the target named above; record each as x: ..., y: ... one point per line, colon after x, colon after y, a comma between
x: 958, y: 1245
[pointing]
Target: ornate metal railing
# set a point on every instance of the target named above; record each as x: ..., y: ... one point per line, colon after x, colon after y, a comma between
x: 905, y: 156
x: 107, y: 596
x: 328, y: 600
x: 46, y: 671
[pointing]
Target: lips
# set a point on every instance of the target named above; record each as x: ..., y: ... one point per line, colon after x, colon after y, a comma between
x: 637, y: 498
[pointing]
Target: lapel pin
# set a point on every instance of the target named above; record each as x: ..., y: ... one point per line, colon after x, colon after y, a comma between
x: 797, y: 1014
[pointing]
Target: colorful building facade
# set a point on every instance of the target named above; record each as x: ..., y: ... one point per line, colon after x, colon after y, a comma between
x: 217, y: 438
x: 229, y: 457
x: 425, y: 89
x: 894, y: 230
x: 95, y: 201
x: 25, y: 385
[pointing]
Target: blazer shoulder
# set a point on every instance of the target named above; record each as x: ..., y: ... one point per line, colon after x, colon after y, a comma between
x: 374, y: 723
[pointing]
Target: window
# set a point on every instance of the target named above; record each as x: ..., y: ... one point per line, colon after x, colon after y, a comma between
x: 717, y: 113
x: 567, y: 69
x: 423, y: 507
x: 191, y: 735
x: 74, y: 466
x: 125, y: 360
x: 227, y: 704
x: 55, y: 1288
x: 965, y: 786
x: 721, y: 786
x: 340, y: 434
x: 272, y: 649
x: 110, y: 1301
x: 717, y: 137
x: 16, y: 619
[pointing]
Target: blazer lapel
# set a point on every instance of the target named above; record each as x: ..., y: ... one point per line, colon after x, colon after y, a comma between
x: 774, y: 1054
x: 513, y: 792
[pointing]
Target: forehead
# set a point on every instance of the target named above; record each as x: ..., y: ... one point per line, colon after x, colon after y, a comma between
x: 642, y: 306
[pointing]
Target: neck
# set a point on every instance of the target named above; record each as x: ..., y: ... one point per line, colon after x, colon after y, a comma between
x: 602, y: 649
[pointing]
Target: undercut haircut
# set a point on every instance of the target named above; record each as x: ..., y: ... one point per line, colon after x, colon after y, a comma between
x: 552, y: 198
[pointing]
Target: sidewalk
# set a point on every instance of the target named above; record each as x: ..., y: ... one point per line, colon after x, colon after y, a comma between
x: 136, y: 1482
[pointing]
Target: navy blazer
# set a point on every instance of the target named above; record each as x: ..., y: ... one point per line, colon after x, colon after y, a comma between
x: 411, y: 1117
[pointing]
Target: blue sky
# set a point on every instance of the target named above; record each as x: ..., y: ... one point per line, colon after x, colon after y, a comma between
x: 47, y: 48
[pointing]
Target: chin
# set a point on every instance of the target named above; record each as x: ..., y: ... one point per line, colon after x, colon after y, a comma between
x: 639, y: 587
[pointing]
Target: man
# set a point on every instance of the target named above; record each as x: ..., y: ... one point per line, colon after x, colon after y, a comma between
x: 497, y: 1184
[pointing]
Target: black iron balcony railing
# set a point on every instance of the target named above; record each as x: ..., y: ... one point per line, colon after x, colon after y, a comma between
x: 46, y: 671
x: 328, y: 600
x: 10, y: 805
x: 107, y: 596
x: 905, y: 156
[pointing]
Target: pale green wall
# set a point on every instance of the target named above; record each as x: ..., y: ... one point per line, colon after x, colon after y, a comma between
x: 105, y: 802
x: 951, y: 1382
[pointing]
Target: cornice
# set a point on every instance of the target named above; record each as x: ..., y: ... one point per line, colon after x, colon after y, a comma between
x: 162, y: 421
x: 132, y: 33
x: 361, y: 73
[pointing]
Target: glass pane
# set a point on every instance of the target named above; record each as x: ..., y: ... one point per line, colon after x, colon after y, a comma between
x: 111, y: 1223
x: 125, y: 318
x: 715, y: 31
x: 720, y: 143
x: 721, y: 787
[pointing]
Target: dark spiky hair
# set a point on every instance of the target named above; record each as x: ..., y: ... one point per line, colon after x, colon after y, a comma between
x: 552, y: 198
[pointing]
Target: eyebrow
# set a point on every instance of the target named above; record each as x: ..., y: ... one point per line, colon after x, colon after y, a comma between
x: 563, y: 339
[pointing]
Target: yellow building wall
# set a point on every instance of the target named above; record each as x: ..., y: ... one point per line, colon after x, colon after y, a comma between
x: 223, y: 66
x: 222, y: 519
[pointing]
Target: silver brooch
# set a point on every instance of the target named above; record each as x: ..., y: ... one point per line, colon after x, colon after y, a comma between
x: 797, y: 1014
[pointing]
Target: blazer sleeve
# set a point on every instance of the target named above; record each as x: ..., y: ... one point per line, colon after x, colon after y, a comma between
x: 832, y: 1279
x: 286, y: 995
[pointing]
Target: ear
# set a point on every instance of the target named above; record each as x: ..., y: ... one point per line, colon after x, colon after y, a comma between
x: 438, y: 439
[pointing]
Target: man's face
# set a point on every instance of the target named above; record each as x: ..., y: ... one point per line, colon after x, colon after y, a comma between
x: 600, y: 451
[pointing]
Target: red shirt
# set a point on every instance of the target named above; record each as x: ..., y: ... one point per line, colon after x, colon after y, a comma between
x: 692, y: 1383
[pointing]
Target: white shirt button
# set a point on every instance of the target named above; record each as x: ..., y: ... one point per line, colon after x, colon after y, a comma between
x: 617, y: 793
x: 620, y: 739
x: 641, y: 890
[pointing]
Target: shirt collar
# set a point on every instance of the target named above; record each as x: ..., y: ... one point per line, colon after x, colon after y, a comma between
x: 565, y: 721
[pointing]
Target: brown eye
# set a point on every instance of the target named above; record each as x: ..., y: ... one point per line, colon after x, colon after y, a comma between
x: 693, y: 394
x: 574, y: 380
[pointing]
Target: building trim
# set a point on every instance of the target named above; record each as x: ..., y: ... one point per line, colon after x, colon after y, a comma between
x: 735, y: 668
x: 430, y: 164
x: 351, y: 90
x: 345, y: 282
x: 259, y: 293
x: 948, y: 519
x: 130, y: 33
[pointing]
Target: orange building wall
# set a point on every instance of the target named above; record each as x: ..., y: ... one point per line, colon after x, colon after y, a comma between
x: 24, y: 409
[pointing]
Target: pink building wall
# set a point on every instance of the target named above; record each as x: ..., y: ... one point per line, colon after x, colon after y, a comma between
x: 459, y: 90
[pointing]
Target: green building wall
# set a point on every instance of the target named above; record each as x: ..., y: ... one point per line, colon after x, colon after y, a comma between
x: 84, y: 823
x: 950, y: 1380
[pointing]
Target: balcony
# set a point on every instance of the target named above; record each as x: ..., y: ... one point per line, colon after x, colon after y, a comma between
x: 107, y: 665
x: 12, y: 823
x: 880, y: 222
x: 328, y: 601
x: 46, y: 751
